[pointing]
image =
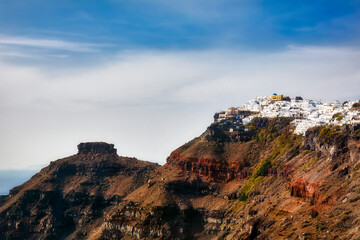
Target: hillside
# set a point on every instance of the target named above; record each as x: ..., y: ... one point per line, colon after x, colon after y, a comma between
x: 273, y: 185
x: 259, y: 181
x: 68, y: 198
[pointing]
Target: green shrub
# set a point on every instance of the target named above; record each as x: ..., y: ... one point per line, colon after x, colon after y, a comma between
x: 326, y: 133
x: 243, y: 197
x: 320, y: 227
x: 336, y: 115
x: 340, y: 118
x: 248, y: 186
x: 263, y: 170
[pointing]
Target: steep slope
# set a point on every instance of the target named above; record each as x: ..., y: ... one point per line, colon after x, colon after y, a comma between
x: 270, y: 185
x: 255, y: 182
x: 68, y: 198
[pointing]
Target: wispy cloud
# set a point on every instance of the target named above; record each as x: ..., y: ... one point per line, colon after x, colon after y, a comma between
x: 54, y: 44
x: 17, y: 54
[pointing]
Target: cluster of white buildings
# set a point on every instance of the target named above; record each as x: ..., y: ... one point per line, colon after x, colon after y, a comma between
x: 307, y: 113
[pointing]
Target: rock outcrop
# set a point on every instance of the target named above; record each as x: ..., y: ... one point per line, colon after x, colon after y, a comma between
x: 305, y: 189
x: 215, y: 170
x: 260, y: 183
x: 67, y: 199
x: 96, y: 147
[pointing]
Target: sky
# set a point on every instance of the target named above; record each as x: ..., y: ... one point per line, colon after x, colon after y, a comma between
x: 148, y: 76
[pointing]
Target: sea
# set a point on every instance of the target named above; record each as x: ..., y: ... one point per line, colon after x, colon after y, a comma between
x: 13, y: 178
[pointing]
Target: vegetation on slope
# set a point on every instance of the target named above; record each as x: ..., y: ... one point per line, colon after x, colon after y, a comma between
x: 275, y: 133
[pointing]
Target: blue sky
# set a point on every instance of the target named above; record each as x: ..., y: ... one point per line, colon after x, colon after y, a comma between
x: 186, y: 24
x: 149, y: 75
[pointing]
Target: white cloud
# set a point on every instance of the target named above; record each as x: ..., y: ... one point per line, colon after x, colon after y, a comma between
x: 53, y: 44
x: 148, y: 103
x: 186, y: 77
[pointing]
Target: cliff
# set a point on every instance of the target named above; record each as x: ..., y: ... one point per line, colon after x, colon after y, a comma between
x: 69, y: 198
x: 255, y: 182
x: 270, y: 184
x: 96, y: 147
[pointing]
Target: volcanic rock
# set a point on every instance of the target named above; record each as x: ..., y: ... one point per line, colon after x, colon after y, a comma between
x: 263, y: 183
x: 68, y: 199
x: 96, y: 147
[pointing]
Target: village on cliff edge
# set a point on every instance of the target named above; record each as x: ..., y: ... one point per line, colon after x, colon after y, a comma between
x: 306, y: 113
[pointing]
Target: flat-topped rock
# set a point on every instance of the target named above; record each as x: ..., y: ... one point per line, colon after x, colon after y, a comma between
x: 96, y: 147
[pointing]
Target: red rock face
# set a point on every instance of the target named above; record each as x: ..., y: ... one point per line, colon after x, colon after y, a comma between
x: 220, y: 171
x: 305, y: 189
x: 215, y: 170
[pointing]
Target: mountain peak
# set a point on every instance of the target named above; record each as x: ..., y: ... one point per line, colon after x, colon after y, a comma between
x: 96, y: 147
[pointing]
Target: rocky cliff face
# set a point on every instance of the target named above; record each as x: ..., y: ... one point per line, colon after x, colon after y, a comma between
x: 262, y: 183
x: 220, y: 156
x: 273, y: 185
x: 68, y: 198
x: 96, y: 147
x: 214, y: 170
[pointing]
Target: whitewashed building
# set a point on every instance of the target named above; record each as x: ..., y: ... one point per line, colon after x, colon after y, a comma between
x: 307, y: 113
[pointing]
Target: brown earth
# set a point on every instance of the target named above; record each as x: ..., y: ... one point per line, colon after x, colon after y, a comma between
x: 268, y: 184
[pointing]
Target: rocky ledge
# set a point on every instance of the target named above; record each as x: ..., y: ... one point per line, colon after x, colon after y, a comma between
x: 215, y: 170
x: 96, y: 147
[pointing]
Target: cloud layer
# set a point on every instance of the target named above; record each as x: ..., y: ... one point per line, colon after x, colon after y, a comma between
x: 149, y: 102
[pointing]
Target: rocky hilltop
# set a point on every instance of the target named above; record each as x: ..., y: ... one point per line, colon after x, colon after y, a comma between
x: 258, y: 181
x: 96, y: 147
x: 69, y: 198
